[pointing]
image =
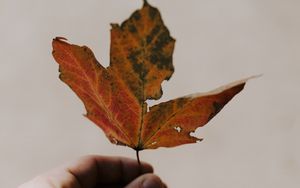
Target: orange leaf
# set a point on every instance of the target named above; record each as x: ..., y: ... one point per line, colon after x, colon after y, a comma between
x: 171, y: 123
x: 141, y: 53
x: 107, y: 100
x: 115, y: 97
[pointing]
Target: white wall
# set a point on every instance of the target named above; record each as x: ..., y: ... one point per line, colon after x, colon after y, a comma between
x: 253, y: 142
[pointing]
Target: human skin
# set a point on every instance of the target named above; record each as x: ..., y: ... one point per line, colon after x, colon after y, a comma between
x: 98, y: 172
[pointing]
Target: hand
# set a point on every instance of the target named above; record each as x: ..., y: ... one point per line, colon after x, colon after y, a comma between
x: 98, y: 172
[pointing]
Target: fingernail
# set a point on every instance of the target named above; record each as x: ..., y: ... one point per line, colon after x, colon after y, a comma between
x: 150, y: 183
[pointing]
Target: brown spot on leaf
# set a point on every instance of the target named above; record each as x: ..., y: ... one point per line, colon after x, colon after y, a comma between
x: 136, y: 15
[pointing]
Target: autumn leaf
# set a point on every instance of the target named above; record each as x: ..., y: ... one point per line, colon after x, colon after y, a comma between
x: 116, y: 97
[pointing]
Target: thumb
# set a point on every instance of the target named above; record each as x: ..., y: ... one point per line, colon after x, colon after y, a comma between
x: 147, y: 181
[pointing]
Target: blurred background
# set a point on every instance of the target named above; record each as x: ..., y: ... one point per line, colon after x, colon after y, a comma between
x: 253, y: 142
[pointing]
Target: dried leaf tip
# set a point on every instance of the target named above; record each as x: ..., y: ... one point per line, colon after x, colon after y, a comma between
x: 223, y: 88
x: 114, y: 25
x: 60, y: 38
x: 146, y: 3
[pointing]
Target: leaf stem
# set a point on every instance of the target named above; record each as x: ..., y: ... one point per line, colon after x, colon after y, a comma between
x: 138, y: 160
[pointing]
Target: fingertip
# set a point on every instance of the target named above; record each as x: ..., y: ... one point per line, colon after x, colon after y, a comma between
x: 147, y: 168
x: 121, y: 169
x: 105, y: 169
x: 147, y: 181
x: 152, y: 182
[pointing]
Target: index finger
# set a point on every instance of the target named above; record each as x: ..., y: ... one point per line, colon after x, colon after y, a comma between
x: 92, y: 170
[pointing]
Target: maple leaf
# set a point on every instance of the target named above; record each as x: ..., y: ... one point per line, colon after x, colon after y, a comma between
x: 115, y: 97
